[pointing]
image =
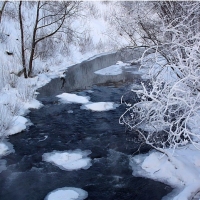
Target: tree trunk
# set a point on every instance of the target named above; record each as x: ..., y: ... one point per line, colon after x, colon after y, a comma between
x: 33, y: 41
x: 2, y: 9
x: 22, y: 41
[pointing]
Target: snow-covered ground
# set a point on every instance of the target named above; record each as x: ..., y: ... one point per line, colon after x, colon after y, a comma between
x: 69, y: 160
x: 67, y: 193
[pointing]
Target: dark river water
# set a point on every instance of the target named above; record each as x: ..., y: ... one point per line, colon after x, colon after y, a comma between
x: 110, y: 177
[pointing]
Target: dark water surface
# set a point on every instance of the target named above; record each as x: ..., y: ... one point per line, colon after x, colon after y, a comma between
x: 109, y: 178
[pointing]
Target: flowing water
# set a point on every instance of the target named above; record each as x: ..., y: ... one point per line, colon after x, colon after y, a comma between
x: 27, y: 177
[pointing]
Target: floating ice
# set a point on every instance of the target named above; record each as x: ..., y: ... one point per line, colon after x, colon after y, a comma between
x: 69, y: 160
x: 112, y: 70
x: 72, y: 98
x: 67, y: 193
x: 70, y: 111
x: 6, y: 148
x: 100, y: 106
x: 89, y: 91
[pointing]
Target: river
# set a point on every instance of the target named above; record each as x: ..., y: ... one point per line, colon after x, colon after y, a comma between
x: 55, y: 127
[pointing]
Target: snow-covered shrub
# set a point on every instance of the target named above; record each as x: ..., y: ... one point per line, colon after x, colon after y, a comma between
x: 26, y: 90
x: 167, y: 108
x: 14, y: 107
x: 6, y: 120
x: 7, y: 76
x: 86, y: 43
x: 3, y: 35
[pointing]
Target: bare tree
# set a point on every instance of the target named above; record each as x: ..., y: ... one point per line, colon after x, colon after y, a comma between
x: 2, y: 9
x: 50, y: 18
x: 168, y: 112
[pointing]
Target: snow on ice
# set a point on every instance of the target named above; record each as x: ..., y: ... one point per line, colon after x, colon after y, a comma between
x: 181, y: 170
x: 112, y: 70
x: 69, y: 160
x: 72, y: 98
x: 6, y: 148
x: 100, y: 106
x: 34, y: 104
x: 67, y: 193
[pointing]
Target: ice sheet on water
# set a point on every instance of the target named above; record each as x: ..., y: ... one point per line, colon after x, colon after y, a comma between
x: 72, y: 98
x: 100, y: 106
x: 67, y: 193
x: 69, y: 160
x: 113, y: 69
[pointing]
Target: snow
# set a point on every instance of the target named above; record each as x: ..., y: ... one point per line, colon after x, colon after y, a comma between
x: 72, y: 98
x: 19, y: 124
x: 6, y: 148
x: 69, y: 160
x: 100, y: 106
x: 34, y: 104
x: 67, y: 193
x: 181, y: 169
x: 113, y: 69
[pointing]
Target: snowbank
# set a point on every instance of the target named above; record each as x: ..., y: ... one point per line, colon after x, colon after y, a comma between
x: 112, y: 70
x: 34, y: 104
x: 67, y: 193
x: 19, y: 124
x: 72, y: 98
x: 69, y: 160
x: 100, y: 106
x: 181, y: 170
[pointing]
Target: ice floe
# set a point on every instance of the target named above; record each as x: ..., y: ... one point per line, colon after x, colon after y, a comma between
x: 6, y: 148
x: 100, y: 106
x: 72, y: 98
x: 67, y: 193
x: 69, y: 160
